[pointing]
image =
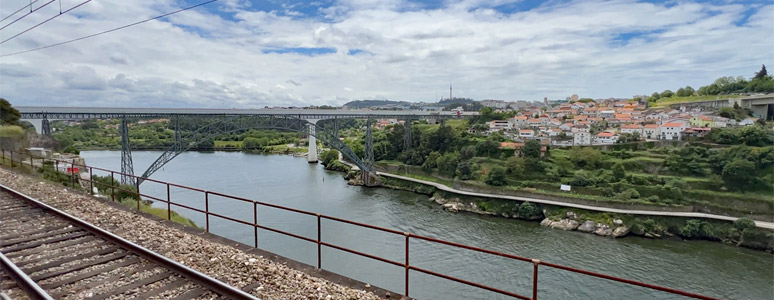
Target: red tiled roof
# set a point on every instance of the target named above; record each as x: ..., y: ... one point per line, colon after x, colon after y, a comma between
x: 672, y: 124
x: 631, y: 126
x: 606, y: 134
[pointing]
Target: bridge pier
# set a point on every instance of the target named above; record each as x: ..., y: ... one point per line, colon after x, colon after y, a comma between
x: 369, y: 145
x: 407, y: 134
x: 127, y: 168
x: 45, y: 127
x: 311, y: 155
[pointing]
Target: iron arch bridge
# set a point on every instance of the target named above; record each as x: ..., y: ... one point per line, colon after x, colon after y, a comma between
x: 327, y: 134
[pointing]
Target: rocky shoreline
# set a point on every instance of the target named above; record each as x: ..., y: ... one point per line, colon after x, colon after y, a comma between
x: 571, y: 222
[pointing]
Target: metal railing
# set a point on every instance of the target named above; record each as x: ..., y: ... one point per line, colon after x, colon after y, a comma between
x: 320, y: 243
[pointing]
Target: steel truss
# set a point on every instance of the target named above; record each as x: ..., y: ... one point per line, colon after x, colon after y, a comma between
x: 329, y: 136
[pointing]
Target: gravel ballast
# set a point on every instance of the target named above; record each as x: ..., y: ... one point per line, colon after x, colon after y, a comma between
x: 233, y: 266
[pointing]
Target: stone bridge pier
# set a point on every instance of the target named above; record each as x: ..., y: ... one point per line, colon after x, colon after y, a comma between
x: 311, y: 155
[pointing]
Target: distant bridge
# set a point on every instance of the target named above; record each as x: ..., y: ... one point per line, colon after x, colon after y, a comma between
x: 231, y: 120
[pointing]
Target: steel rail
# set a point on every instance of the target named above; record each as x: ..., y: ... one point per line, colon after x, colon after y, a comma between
x: 185, y: 271
x: 26, y: 283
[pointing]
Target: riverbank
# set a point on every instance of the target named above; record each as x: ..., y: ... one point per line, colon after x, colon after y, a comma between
x: 602, y: 221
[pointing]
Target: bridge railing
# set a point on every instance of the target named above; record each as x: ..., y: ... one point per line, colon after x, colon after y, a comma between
x: 20, y: 159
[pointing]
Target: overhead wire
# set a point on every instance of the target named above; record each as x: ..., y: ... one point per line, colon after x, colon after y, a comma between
x: 44, y: 22
x: 23, y: 7
x: 27, y: 14
x: 109, y: 30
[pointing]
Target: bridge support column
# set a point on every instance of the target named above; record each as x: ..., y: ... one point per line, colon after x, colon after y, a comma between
x: 45, y: 127
x: 443, y: 122
x: 311, y: 155
x: 127, y: 167
x: 178, y: 144
x: 369, y: 145
x: 407, y: 134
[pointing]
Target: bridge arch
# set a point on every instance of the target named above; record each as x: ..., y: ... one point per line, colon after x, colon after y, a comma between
x: 234, y: 124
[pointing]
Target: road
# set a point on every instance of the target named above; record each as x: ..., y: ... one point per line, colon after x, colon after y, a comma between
x: 760, y: 224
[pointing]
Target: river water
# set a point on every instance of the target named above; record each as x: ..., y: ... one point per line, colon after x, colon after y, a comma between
x: 707, y: 268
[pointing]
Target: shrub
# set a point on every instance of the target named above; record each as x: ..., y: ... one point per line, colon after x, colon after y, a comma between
x: 697, y: 229
x: 328, y: 156
x: 530, y: 211
x: 629, y: 194
x: 744, y: 223
x: 496, y: 176
x: 71, y: 149
x: 465, y: 170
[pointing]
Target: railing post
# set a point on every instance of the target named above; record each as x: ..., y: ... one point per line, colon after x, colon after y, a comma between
x: 255, y: 223
x: 408, y: 235
x: 169, y: 205
x: 207, y: 209
x: 91, y: 181
x: 112, y: 189
x: 535, y: 262
x: 137, y: 186
x: 319, y: 244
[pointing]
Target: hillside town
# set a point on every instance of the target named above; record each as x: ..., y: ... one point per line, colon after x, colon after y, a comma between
x: 579, y: 123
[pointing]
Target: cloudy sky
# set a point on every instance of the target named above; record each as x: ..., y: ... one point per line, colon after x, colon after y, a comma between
x: 240, y: 53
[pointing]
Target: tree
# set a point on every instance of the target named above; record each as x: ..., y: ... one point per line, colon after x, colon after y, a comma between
x: 250, y: 143
x: 531, y: 149
x: 329, y: 156
x: 9, y: 114
x: 666, y: 94
x: 739, y: 173
x: 585, y: 157
x: 619, y: 172
x: 432, y: 161
x: 654, y: 97
x: 465, y: 170
x: 496, y: 176
x: 467, y: 152
x: 514, y: 165
x: 447, y: 164
x: 762, y: 73
x: 754, y: 136
x: 488, y: 148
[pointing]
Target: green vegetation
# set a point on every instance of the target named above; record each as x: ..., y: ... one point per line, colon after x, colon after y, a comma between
x: 160, y: 134
x: 722, y: 88
x: 159, y: 212
x: 736, y: 180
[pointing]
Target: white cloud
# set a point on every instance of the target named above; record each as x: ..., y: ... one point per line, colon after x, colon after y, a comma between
x: 198, y: 58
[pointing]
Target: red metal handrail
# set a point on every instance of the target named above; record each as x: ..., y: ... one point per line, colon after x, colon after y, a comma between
x: 536, y: 263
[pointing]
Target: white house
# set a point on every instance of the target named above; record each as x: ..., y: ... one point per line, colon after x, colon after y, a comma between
x: 498, y: 125
x: 607, y: 114
x: 526, y: 134
x: 580, y: 128
x: 519, y: 122
x: 581, y: 138
x: 672, y: 130
x: 651, y: 132
x: 631, y: 129
x: 606, y: 138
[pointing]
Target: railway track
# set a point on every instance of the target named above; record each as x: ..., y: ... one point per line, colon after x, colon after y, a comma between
x: 67, y: 258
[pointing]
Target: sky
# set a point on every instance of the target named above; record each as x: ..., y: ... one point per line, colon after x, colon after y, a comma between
x: 251, y: 54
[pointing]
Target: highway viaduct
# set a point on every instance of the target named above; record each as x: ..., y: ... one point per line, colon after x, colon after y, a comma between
x: 301, y: 120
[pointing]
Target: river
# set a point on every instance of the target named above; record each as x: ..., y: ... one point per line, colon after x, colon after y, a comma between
x: 707, y: 268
